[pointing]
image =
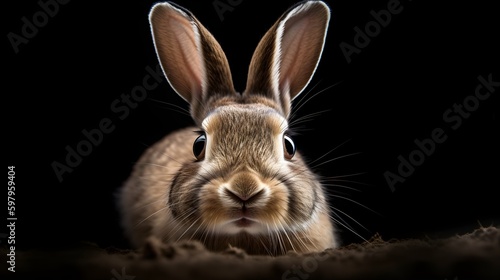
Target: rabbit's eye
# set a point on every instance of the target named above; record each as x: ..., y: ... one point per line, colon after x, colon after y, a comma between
x: 288, y: 147
x: 199, y: 147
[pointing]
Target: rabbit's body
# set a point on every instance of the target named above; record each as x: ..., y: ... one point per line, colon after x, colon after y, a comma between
x: 244, y: 186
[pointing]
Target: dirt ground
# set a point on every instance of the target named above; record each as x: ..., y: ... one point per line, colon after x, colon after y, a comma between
x: 471, y: 256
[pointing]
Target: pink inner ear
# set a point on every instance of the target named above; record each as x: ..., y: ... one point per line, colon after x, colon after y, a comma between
x: 291, y: 49
x: 302, y: 37
x: 177, y: 47
x: 189, y: 57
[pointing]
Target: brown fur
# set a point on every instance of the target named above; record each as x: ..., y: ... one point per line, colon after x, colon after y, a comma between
x: 173, y: 196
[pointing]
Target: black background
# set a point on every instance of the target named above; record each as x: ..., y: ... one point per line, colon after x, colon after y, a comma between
x: 394, y: 91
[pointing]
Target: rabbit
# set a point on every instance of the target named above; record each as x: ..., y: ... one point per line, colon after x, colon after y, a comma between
x: 235, y: 179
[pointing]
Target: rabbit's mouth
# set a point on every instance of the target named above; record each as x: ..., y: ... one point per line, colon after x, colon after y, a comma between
x: 244, y: 217
x: 244, y: 222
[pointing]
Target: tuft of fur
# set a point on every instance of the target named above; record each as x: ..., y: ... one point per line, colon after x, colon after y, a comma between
x: 244, y: 192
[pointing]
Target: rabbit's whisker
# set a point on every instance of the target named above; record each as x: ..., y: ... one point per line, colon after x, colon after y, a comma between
x: 340, y: 186
x: 306, y: 118
x: 347, y: 215
x: 327, y: 179
x: 311, y: 97
x: 185, y: 231
x: 179, y: 224
x: 355, y: 202
x: 348, y: 228
x: 346, y: 175
x: 177, y: 109
x: 156, y: 212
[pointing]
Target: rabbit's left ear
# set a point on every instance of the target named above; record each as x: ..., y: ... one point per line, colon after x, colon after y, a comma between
x: 288, y: 54
x: 191, y: 58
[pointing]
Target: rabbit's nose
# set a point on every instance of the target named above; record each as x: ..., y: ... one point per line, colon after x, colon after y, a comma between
x: 246, y: 199
x: 244, y: 187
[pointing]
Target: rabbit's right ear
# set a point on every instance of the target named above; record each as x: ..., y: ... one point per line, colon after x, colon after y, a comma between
x: 286, y: 57
x: 191, y: 59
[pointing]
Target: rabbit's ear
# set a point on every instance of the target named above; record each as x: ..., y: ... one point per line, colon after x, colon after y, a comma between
x: 192, y: 60
x: 287, y: 55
